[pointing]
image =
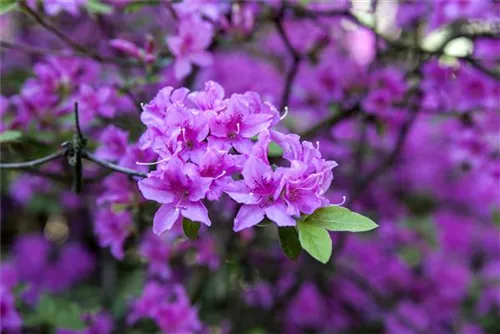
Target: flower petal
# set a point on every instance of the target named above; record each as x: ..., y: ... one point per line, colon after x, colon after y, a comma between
x: 197, y: 212
x: 248, y: 216
x: 152, y: 189
x: 277, y: 213
x: 165, y: 218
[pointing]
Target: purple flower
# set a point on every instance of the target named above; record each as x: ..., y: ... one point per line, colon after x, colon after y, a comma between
x: 153, y: 294
x: 94, y: 102
x: 157, y: 250
x: 168, y: 306
x: 10, y: 320
x: 154, y: 111
x: 180, y: 189
x: 118, y: 189
x: 259, y: 191
x: 113, y: 143
x: 112, y: 229
x: 176, y: 315
x: 146, y: 55
x: 238, y: 122
x: 210, y: 99
x: 189, y: 45
x: 31, y: 267
x: 8, y: 275
x: 307, y: 309
x: 218, y: 165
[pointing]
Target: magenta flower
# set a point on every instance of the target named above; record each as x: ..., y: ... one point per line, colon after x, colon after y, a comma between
x: 10, y: 320
x: 238, y: 122
x: 176, y: 315
x: 180, y: 189
x: 145, y: 55
x: 112, y: 229
x: 189, y: 45
x: 259, y: 192
x: 96, y: 102
x: 218, y: 165
x: 157, y: 250
x: 113, y: 143
x: 153, y: 294
x: 211, y: 98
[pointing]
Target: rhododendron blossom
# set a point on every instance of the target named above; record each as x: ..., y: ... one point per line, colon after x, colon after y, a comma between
x: 204, y: 146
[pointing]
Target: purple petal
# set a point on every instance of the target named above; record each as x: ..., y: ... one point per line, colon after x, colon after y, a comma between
x: 248, y: 216
x: 241, y: 193
x: 202, y: 58
x: 255, y: 124
x: 165, y: 218
x: 152, y: 189
x: 182, y: 68
x: 277, y: 213
x: 254, y: 170
x: 197, y: 212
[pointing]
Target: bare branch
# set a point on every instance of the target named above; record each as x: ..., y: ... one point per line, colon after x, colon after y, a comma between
x: 109, y: 165
x: 33, y: 163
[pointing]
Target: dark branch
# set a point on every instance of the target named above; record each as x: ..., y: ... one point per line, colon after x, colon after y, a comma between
x: 72, y: 43
x: 330, y: 122
x: 106, y: 164
x: 296, y: 57
x: 33, y: 163
x: 301, y: 12
x: 77, y: 124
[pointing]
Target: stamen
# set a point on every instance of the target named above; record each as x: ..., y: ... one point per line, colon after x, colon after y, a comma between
x: 317, y: 145
x: 343, y: 201
x: 237, y: 128
x: 221, y: 175
x: 152, y: 163
x: 284, y: 115
x: 183, y: 131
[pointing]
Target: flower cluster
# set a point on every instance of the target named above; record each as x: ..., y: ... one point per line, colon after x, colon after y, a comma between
x: 206, y: 147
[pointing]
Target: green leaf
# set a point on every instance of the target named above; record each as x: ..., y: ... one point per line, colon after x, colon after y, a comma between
x: 316, y: 241
x: 7, y: 6
x: 97, y: 7
x: 337, y: 218
x: 57, y: 312
x: 289, y: 240
x: 8, y: 136
x: 275, y: 150
x: 190, y: 228
x: 69, y: 318
x: 135, y: 6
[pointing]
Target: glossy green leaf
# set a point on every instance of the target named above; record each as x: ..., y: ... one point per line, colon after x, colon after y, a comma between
x: 315, y: 240
x: 337, y: 218
x: 289, y: 241
x: 190, y: 228
x: 9, y: 136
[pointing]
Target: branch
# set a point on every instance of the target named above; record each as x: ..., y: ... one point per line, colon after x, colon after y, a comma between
x: 330, y: 122
x: 72, y: 43
x: 314, y: 14
x: 109, y: 165
x: 35, y: 50
x: 33, y: 163
x: 388, y: 161
x: 296, y: 57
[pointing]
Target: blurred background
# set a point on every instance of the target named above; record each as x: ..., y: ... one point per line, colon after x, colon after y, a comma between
x: 403, y: 95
